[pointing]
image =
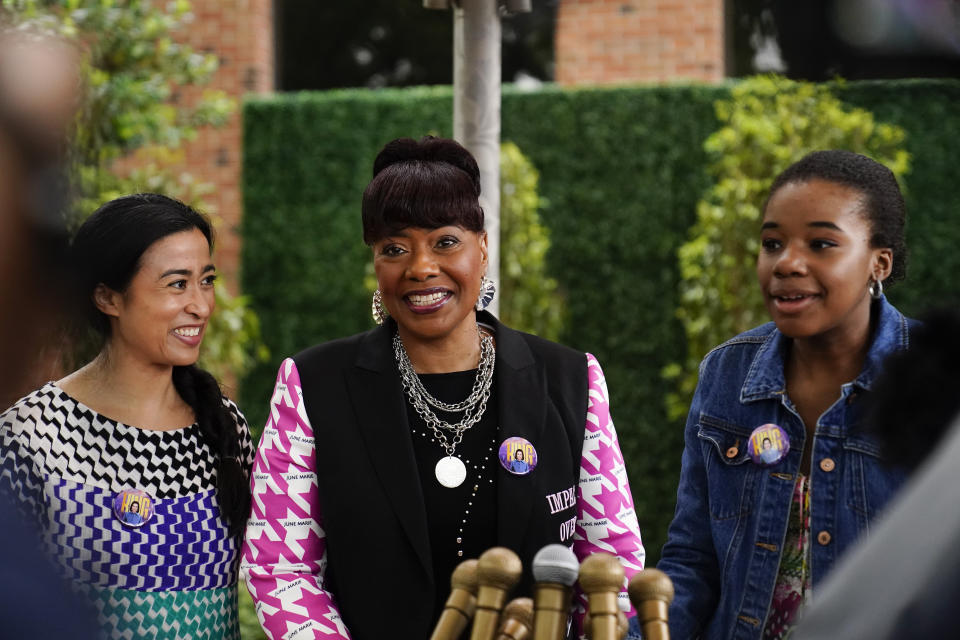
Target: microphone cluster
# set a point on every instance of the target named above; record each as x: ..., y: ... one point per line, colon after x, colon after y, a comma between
x: 479, y: 590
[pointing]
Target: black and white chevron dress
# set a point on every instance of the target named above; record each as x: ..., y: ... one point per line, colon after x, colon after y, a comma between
x: 175, y: 576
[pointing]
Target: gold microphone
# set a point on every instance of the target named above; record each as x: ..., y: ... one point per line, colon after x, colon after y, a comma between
x: 601, y: 578
x: 498, y: 571
x: 461, y: 603
x: 516, y: 623
x: 623, y: 625
x: 651, y: 593
x: 555, y: 569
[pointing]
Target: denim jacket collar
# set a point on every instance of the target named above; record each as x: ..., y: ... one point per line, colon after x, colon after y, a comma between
x: 765, y: 379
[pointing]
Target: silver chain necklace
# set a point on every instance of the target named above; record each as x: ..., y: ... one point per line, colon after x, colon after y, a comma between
x: 450, y: 470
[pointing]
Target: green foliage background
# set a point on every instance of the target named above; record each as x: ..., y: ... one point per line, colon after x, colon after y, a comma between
x: 622, y: 170
x: 529, y: 300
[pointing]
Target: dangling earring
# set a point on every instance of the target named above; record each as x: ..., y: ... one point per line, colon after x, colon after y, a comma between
x: 875, y: 289
x: 487, y: 289
x: 377, y: 309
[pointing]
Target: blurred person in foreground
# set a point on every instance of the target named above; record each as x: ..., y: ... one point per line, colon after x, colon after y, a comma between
x: 39, y: 96
x: 35, y: 117
x: 880, y: 591
x: 134, y: 468
x: 389, y: 456
x: 754, y: 534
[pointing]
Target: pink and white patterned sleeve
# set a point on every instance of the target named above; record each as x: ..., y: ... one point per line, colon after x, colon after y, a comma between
x: 606, y: 520
x: 284, y: 551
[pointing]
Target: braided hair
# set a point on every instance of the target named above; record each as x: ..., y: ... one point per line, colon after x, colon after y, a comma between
x: 107, y: 249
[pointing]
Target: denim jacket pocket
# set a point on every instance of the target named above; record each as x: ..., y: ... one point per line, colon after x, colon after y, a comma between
x: 870, y: 483
x: 728, y: 467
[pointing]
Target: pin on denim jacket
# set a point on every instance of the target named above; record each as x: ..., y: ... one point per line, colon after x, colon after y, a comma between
x: 724, y: 545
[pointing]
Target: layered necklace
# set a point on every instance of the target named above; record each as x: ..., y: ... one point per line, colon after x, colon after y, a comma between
x: 450, y: 470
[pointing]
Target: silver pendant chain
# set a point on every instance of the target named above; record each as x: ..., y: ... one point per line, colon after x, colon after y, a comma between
x: 472, y: 407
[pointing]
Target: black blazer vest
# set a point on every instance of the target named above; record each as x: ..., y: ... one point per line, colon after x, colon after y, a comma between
x: 379, y: 564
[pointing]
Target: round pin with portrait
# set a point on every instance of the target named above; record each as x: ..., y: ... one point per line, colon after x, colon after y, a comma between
x: 769, y: 444
x: 518, y: 456
x: 132, y: 507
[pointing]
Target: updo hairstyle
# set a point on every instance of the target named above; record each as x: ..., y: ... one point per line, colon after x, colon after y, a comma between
x: 430, y: 183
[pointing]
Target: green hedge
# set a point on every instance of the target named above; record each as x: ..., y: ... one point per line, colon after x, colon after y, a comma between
x: 621, y: 169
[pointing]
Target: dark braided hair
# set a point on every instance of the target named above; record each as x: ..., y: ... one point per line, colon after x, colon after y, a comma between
x: 884, y: 207
x: 427, y: 183
x: 107, y: 249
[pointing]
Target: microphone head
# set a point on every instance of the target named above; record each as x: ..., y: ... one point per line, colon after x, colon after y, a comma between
x: 465, y: 577
x: 556, y: 564
x: 521, y: 610
x: 601, y: 572
x: 499, y: 567
x: 650, y: 584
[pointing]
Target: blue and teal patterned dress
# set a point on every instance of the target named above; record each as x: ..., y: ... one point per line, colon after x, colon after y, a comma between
x: 173, y: 577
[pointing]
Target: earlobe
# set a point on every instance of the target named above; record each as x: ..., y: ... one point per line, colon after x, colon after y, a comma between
x: 105, y: 299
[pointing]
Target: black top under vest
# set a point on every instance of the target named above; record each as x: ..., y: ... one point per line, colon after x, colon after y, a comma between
x: 370, y: 479
x: 459, y: 512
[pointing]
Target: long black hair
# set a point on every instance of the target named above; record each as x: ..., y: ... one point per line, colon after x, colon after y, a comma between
x: 107, y: 250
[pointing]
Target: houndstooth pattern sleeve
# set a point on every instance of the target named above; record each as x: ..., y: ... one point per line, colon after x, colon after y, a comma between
x: 284, y: 553
x: 606, y: 520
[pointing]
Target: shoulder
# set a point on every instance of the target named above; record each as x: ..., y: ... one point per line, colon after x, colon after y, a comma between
x: 744, y: 345
x: 235, y: 413
x: 551, y: 353
x: 332, y: 353
x: 564, y: 369
x: 33, y: 408
x: 247, y: 449
x: 31, y: 428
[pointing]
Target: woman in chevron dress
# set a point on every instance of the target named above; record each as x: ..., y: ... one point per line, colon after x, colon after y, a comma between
x: 134, y: 468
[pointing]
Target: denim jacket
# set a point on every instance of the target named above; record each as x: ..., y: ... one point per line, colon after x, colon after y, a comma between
x: 724, y: 545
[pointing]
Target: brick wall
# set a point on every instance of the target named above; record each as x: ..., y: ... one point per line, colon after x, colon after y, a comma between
x: 240, y: 33
x: 624, y: 41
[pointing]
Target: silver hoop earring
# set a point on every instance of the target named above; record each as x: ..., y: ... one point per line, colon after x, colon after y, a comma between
x: 487, y: 290
x: 377, y: 310
x: 875, y: 289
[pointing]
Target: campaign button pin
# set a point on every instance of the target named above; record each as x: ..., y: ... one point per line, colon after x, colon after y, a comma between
x: 768, y: 445
x: 518, y: 456
x: 132, y: 507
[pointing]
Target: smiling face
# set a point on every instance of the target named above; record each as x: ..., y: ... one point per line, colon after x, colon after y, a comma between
x: 816, y: 262
x: 430, y: 279
x: 161, y: 317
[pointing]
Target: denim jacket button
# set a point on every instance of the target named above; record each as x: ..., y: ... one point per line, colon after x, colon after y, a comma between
x: 732, y: 452
x: 827, y: 464
x: 824, y: 538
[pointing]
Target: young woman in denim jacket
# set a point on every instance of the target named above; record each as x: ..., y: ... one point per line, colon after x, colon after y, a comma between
x: 748, y: 541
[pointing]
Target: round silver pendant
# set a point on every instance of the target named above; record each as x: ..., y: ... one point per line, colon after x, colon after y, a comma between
x: 450, y: 472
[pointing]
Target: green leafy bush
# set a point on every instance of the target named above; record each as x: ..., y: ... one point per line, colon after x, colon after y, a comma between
x: 529, y: 298
x: 768, y: 124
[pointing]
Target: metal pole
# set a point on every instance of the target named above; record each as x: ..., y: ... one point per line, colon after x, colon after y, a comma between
x: 476, y: 109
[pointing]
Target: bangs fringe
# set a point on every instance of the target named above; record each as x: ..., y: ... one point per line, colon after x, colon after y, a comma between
x: 422, y: 194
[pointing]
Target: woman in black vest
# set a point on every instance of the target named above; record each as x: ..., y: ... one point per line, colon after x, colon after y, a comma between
x: 390, y: 456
